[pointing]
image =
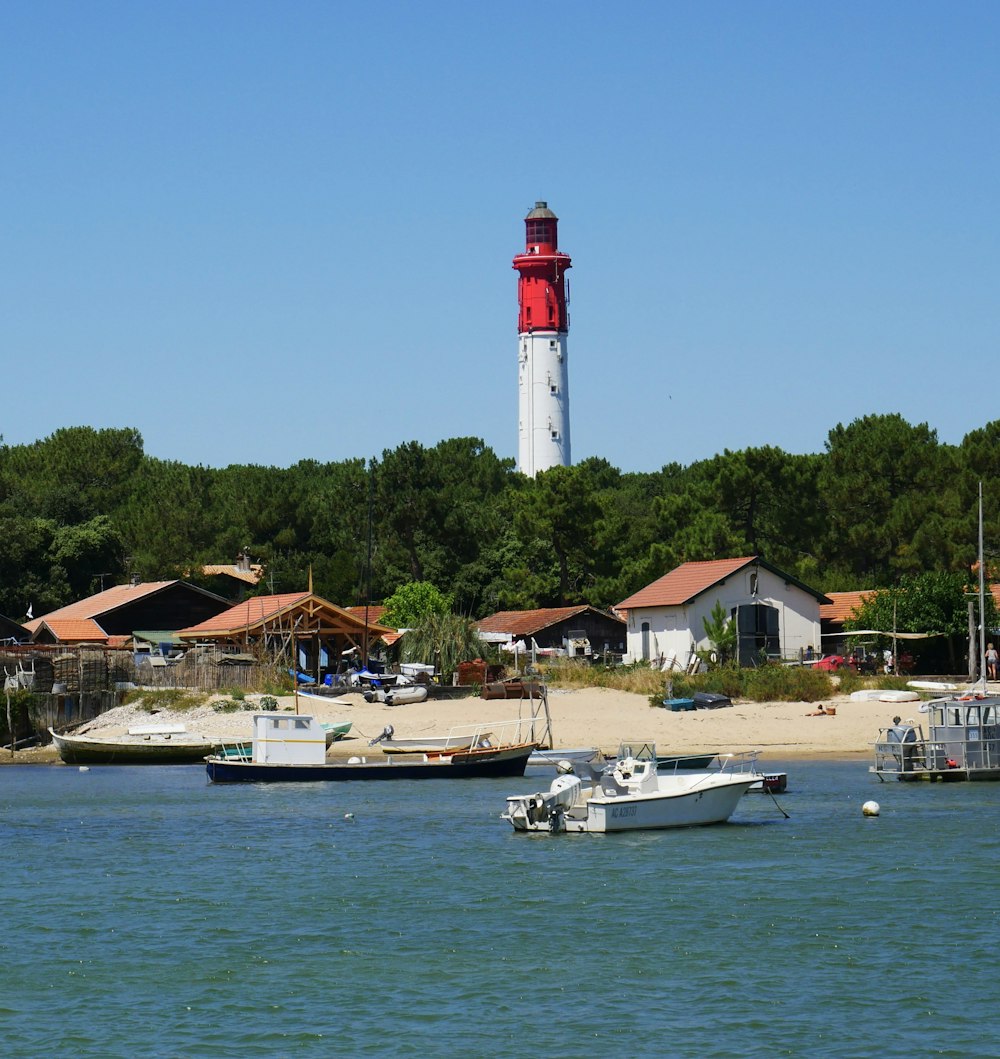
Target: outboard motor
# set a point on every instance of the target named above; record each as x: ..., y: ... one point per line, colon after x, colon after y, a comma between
x: 386, y: 733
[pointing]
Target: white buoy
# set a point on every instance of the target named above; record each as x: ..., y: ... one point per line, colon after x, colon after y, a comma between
x: 870, y: 809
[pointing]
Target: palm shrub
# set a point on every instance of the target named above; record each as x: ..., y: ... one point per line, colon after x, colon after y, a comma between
x: 721, y: 632
x: 443, y: 640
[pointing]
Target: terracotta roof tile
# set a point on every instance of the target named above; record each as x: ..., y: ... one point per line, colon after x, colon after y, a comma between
x: 74, y: 630
x: 249, y: 612
x: 259, y: 610
x: 102, y: 602
x: 529, y: 622
x: 842, y: 605
x: 375, y: 612
x: 684, y: 583
x: 251, y: 576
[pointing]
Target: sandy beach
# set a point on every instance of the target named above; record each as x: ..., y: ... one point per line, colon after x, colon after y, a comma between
x: 580, y: 717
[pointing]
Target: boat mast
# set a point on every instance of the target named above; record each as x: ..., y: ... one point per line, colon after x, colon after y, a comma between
x: 982, y: 596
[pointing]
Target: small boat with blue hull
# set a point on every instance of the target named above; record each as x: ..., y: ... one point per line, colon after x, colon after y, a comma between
x: 292, y: 749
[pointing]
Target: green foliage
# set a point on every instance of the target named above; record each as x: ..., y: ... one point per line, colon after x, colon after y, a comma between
x: 768, y: 683
x: 152, y: 700
x: 442, y: 640
x: 886, y: 500
x: 721, y: 632
x: 22, y: 704
x: 929, y: 602
x: 413, y: 603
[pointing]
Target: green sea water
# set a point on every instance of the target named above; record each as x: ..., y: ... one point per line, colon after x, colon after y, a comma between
x: 146, y: 912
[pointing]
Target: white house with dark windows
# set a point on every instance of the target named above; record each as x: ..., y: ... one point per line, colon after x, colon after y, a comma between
x: 776, y: 615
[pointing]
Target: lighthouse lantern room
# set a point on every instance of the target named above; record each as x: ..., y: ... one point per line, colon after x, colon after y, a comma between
x: 543, y: 326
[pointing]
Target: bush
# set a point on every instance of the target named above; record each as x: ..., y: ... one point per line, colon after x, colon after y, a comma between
x: 165, y: 699
x: 770, y: 683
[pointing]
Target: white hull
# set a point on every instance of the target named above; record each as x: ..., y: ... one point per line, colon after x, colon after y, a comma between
x: 689, y: 800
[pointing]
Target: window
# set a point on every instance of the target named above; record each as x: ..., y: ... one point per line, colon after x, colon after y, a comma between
x: 539, y: 231
x: 554, y: 434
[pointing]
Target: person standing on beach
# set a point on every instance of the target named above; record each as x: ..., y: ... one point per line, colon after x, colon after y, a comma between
x: 991, y: 662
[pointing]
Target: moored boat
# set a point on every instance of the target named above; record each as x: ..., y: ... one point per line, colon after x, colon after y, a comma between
x: 685, y: 761
x: 962, y: 742
x: 630, y: 795
x: 293, y: 749
x: 550, y: 758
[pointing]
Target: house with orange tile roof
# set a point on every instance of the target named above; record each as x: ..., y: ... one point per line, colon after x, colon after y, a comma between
x: 557, y: 629
x: 833, y: 615
x: 775, y: 614
x: 112, y: 616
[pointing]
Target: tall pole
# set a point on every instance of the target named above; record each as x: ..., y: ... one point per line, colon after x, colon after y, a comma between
x: 368, y: 562
x: 982, y: 595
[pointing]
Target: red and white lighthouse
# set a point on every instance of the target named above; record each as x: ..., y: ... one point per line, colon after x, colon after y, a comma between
x: 543, y: 326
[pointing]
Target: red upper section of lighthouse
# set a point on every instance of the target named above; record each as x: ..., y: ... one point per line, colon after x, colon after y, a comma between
x: 541, y: 286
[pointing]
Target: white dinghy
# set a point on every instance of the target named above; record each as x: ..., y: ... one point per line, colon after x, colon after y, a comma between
x: 631, y: 795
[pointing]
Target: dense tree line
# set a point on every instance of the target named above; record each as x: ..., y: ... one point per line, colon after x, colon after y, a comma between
x: 85, y: 508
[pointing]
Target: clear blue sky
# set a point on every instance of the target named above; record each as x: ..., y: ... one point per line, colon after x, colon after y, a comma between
x: 263, y: 232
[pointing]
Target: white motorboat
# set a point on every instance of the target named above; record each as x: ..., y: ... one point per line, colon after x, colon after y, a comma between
x: 631, y: 795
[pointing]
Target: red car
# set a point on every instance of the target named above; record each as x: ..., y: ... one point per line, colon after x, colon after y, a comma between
x: 833, y: 662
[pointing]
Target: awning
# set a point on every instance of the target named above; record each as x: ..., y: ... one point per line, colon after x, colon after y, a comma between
x: 882, y: 632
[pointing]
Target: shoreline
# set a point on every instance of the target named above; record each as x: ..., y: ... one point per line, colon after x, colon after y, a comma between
x: 787, y: 731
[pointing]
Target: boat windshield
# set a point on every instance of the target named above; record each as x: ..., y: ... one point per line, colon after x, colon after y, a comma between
x: 638, y: 750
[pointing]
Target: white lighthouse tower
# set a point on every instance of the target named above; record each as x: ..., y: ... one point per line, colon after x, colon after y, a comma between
x: 542, y: 365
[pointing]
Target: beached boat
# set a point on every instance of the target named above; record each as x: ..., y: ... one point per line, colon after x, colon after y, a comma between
x: 402, y: 696
x: 335, y: 730
x: 962, y: 742
x: 630, y: 795
x: 143, y: 745
x: 292, y: 749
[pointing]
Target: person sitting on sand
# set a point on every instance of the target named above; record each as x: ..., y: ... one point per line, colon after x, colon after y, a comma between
x: 817, y: 713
